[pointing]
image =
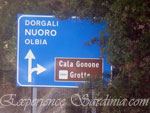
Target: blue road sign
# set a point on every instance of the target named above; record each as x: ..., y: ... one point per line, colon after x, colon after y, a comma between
x: 41, y: 39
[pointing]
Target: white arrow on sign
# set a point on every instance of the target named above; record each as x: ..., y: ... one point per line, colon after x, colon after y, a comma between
x: 39, y: 68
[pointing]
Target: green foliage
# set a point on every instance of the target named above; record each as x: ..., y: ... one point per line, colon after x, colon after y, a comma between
x: 128, y: 49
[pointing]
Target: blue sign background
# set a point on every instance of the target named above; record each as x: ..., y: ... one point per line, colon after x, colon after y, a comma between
x: 68, y: 43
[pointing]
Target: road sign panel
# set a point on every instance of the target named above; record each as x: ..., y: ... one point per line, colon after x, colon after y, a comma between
x: 77, y: 69
x: 41, y: 39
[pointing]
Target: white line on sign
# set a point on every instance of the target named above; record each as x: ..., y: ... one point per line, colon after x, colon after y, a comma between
x: 39, y: 68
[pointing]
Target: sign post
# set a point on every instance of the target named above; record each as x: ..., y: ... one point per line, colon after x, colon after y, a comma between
x: 34, y: 97
x: 93, y: 108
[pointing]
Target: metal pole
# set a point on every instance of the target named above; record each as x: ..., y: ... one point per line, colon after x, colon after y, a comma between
x: 93, y: 108
x: 34, y: 96
x: 84, y: 109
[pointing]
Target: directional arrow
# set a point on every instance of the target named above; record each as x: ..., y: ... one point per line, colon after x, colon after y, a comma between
x: 30, y: 55
x: 39, y: 68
